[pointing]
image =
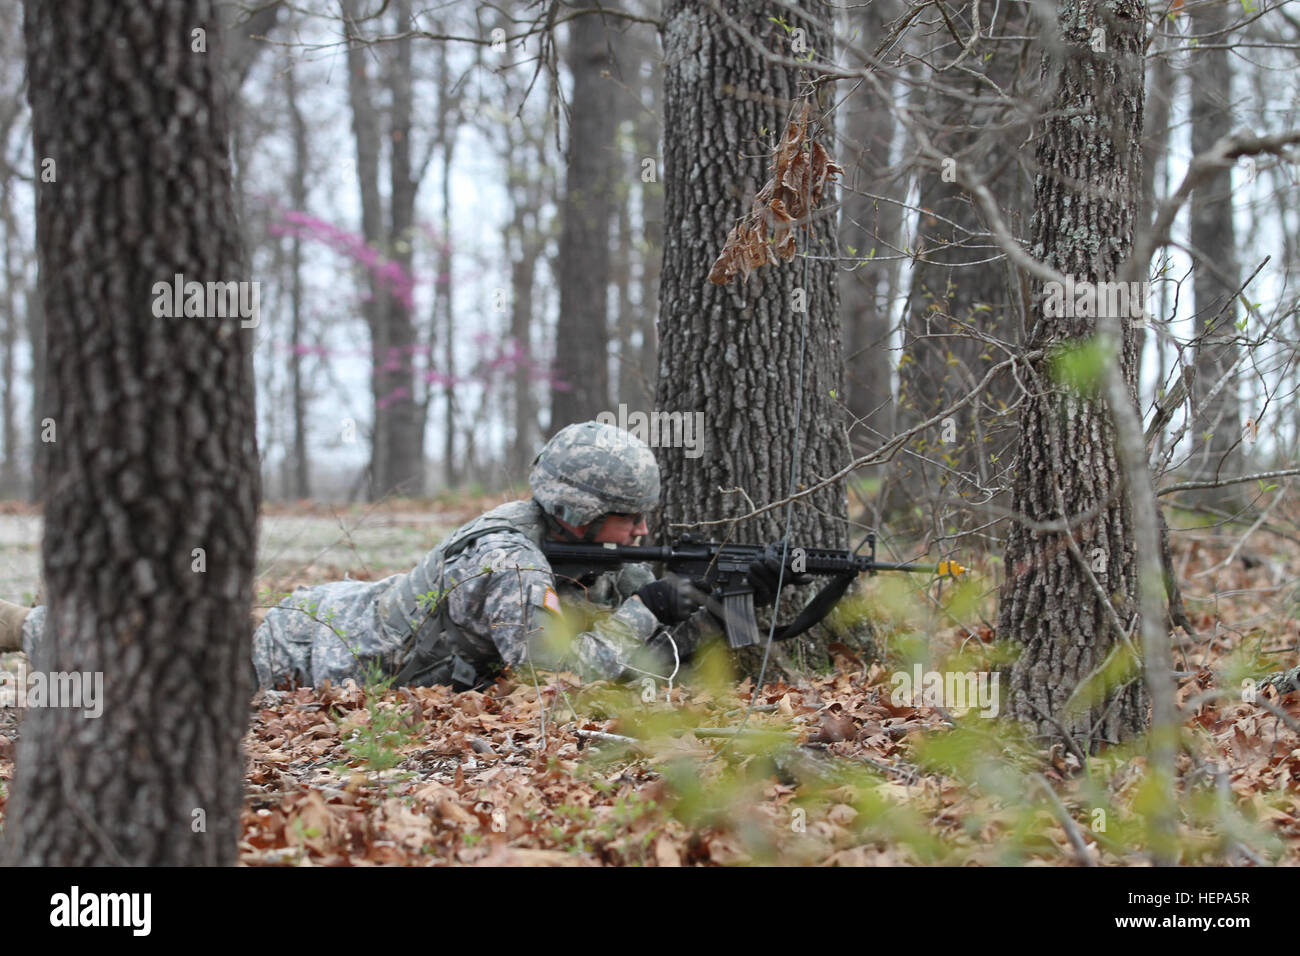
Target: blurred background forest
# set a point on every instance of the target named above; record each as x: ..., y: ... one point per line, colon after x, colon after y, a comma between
x: 426, y: 319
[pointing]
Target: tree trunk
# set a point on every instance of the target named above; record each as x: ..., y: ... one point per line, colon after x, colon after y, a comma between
x: 582, y: 356
x: 298, y: 190
x: 525, y: 243
x: 523, y: 272
x: 629, y: 388
x: 365, y: 130
x: 649, y: 145
x: 1155, y: 153
x: 733, y: 352
x: 1085, y: 201
x: 406, y: 442
x: 13, y: 283
x: 1216, y: 430
x: 395, y: 467
x: 155, y: 455
x: 444, y: 306
x: 869, y: 232
x: 634, y: 319
x: 955, y: 288
x: 42, y: 401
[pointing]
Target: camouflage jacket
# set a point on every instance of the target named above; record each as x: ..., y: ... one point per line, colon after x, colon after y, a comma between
x: 483, y: 598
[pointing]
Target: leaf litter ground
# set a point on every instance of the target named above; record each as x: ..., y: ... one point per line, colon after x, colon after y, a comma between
x: 828, y: 772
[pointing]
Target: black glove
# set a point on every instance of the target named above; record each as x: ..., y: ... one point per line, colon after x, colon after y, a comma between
x: 764, y: 574
x: 671, y: 600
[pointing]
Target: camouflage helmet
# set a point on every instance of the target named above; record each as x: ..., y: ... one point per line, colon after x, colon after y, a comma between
x: 591, y: 469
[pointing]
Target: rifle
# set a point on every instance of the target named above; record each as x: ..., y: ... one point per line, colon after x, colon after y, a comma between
x: 722, y: 572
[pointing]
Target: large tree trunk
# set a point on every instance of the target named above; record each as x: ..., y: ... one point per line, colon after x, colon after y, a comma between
x: 1086, y: 198
x: 1216, y: 431
x: 155, y: 454
x: 582, y: 334
x: 733, y: 352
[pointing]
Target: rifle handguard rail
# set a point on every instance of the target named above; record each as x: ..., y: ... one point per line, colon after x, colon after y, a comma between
x: 722, y: 570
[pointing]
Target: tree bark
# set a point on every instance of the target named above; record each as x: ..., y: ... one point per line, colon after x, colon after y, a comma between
x: 1054, y: 600
x: 1216, y: 430
x: 155, y: 453
x: 582, y: 334
x: 733, y: 352
x: 42, y: 403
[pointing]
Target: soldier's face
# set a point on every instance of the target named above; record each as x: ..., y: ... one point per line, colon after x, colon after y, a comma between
x: 622, y: 529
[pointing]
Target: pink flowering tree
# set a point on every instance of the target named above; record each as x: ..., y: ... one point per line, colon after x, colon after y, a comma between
x: 397, y: 368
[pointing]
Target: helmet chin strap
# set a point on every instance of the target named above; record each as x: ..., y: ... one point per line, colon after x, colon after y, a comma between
x: 564, y: 534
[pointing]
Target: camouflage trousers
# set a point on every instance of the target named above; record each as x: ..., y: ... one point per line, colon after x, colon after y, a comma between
x: 327, y: 632
x: 336, y: 630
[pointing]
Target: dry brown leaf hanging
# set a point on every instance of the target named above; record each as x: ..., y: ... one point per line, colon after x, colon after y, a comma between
x: 794, y: 189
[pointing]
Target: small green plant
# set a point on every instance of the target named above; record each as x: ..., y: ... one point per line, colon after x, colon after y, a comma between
x: 377, y: 744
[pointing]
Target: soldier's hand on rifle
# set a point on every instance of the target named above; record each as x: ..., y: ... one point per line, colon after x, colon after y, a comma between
x: 672, y: 599
x: 764, y: 574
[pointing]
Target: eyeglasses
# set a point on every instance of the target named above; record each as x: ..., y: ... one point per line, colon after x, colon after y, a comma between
x: 636, y: 519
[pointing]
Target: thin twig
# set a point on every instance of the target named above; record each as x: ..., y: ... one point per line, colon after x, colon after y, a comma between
x: 1066, y: 821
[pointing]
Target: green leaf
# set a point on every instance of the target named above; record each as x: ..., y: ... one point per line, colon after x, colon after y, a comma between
x: 1081, y: 367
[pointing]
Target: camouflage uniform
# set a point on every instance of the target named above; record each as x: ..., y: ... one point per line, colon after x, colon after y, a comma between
x: 33, y: 627
x: 486, y: 596
x: 476, y: 601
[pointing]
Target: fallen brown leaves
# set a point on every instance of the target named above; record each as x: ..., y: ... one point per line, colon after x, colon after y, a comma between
x: 478, y: 783
x: 825, y: 772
